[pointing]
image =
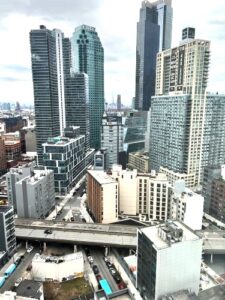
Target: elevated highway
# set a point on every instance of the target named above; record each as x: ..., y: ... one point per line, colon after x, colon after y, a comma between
x: 101, y: 234
x: 77, y: 233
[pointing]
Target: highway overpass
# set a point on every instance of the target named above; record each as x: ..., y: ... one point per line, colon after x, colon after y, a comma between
x: 77, y: 233
x: 100, y: 234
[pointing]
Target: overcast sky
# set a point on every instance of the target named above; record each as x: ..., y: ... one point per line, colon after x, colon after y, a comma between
x: 115, y: 22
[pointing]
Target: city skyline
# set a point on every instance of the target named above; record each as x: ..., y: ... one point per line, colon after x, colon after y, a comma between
x: 118, y: 40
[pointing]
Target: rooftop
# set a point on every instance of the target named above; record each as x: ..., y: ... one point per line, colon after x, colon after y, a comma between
x: 61, y: 141
x: 57, y: 259
x: 35, y: 176
x: 5, y: 208
x: 163, y: 236
x: 30, y: 289
x: 101, y: 177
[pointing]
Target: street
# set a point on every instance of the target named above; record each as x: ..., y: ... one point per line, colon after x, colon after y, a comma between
x: 19, y: 272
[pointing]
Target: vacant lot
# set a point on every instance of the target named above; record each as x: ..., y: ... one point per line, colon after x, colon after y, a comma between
x: 67, y: 290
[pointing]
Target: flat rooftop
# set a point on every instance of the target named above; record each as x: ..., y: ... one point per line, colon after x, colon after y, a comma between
x: 101, y: 177
x: 29, y: 289
x: 61, y: 141
x: 160, y: 243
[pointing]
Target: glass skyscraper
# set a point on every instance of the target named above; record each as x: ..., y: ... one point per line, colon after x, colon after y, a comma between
x: 154, y: 31
x: 88, y: 57
x: 48, y: 82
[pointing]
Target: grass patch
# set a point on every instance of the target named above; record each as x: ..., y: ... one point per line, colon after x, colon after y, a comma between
x: 66, y: 290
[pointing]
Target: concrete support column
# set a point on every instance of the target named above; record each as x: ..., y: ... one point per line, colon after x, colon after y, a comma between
x: 44, y: 246
x: 211, y: 258
x: 26, y: 245
x: 75, y: 248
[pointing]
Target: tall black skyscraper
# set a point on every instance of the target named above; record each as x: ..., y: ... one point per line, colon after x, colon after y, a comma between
x: 154, y: 31
x: 48, y: 69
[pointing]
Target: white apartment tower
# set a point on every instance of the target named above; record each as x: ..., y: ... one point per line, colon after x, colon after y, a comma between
x: 168, y: 260
x: 183, y: 71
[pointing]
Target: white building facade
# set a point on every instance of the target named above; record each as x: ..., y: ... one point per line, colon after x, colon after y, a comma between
x: 169, y: 260
x: 186, y: 206
x: 35, y: 195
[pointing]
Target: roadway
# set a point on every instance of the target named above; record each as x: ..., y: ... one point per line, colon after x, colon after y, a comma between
x: 19, y: 272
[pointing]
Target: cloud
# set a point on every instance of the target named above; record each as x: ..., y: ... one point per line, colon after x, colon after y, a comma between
x: 10, y: 79
x: 115, y: 22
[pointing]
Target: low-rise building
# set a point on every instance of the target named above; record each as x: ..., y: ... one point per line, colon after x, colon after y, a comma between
x: 30, y: 138
x: 169, y: 260
x: 13, y: 152
x: 7, y: 230
x: 174, y: 176
x: 46, y: 268
x: 186, y: 206
x: 102, y: 196
x: 35, y: 195
x: 139, y: 161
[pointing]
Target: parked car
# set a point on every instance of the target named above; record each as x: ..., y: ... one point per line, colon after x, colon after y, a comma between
x: 29, y: 267
x: 87, y: 251
x: 117, y: 277
x: 99, y: 277
x: 121, y: 285
x: 109, y: 265
x: 105, y: 258
x: 48, y: 231
x: 18, y: 281
x: 95, y: 269
x: 90, y: 259
x: 18, y: 260
x: 29, y: 249
x: 72, y: 219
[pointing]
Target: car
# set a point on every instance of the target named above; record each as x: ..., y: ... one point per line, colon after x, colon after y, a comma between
x: 95, y: 269
x: 90, y: 259
x: 117, y: 277
x: 121, y: 285
x: 105, y: 258
x: 99, y: 277
x: 29, y: 267
x: 29, y: 249
x: 72, y: 219
x: 18, y: 281
x: 112, y: 271
x: 18, y: 260
x: 108, y: 264
x: 48, y: 231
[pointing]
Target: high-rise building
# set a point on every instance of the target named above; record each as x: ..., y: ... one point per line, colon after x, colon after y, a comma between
x: 210, y: 173
x: 88, y: 57
x: 181, y: 77
x: 112, y: 138
x: 47, y: 56
x: 3, y: 165
x: 35, y: 195
x: 163, y: 251
x: 213, y: 149
x: 77, y: 104
x: 154, y: 31
x: 7, y: 230
x: 118, y: 102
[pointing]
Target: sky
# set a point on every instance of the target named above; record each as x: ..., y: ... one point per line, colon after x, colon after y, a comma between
x: 115, y: 22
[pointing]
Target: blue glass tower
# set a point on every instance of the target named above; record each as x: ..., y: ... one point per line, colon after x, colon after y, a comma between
x: 88, y: 57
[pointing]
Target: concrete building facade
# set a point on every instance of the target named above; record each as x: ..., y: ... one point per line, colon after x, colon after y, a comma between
x: 186, y: 206
x: 102, y: 196
x: 112, y: 137
x: 7, y: 230
x: 35, y: 195
x: 184, y: 71
x: 139, y: 161
x: 163, y: 251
